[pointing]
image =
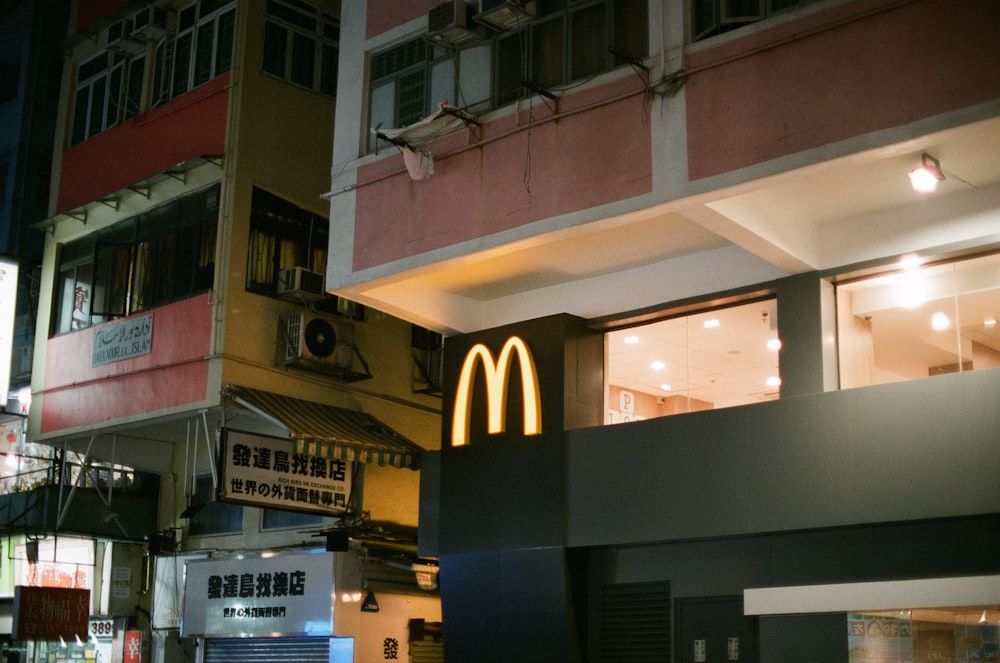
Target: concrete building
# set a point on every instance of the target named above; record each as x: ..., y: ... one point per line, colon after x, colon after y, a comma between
x: 189, y: 345
x: 753, y: 409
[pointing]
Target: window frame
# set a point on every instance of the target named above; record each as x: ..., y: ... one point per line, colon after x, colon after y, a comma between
x: 510, y: 53
x: 292, y: 19
x: 148, y: 275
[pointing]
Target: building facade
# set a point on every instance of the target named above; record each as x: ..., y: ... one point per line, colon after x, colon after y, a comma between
x: 719, y: 379
x: 200, y: 402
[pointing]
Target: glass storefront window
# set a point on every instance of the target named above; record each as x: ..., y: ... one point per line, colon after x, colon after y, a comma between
x: 919, y: 321
x: 924, y: 636
x: 701, y: 361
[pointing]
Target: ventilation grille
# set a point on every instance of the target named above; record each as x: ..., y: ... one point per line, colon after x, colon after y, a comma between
x: 633, y: 623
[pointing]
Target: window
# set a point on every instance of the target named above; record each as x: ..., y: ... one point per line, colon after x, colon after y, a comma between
x: 701, y: 361
x: 214, y: 517
x: 916, y: 322
x: 301, y: 45
x: 712, y: 17
x: 272, y: 519
x: 108, y: 91
x: 202, y: 48
x: 109, y: 88
x: 283, y: 235
x: 160, y: 256
x: 562, y: 44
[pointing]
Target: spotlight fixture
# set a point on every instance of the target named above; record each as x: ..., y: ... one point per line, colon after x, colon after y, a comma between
x: 925, y: 177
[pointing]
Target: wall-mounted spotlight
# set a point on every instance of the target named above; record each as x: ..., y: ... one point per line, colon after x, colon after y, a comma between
x: 925, y: 177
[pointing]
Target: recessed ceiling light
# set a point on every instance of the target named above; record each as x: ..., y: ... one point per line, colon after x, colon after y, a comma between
x: 658, y: 365
x: 940, y: 321
x: 773, y: 381
x: 665, y: 387
x: 989, y: 322
x: 631, y: 340
x: 711, y: 324
x: 774, y: 344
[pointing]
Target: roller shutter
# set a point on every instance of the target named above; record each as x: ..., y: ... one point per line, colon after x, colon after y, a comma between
x: 267, y: 650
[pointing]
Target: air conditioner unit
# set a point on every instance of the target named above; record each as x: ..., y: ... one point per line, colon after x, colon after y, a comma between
x: 150, y: 23
x: 505, y: 14
x: 318, y: 342
x: 451, y: 23
x: 120, y: 39
x: 300, y: 284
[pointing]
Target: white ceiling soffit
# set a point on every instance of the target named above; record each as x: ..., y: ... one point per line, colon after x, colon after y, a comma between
x: 873, y: 596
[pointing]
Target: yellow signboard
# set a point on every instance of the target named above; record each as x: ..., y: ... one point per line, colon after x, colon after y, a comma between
x: 497, y: 377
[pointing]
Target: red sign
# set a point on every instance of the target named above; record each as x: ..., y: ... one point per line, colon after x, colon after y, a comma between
x: 133, y: 647
x: 48, y: 613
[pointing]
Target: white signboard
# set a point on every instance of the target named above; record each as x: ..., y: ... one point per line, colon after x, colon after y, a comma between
x: 8, y: 301
x: 267, y: 472
x: 281, y: 594
x: 129, y: 338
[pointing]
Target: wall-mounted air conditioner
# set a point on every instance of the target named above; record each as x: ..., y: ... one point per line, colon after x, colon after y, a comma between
x: 120, y: 39
x: 451, y: 23
x: 505, y: 14
x: 150, y: 23
x: 300, y: 284
x: 314, y: 341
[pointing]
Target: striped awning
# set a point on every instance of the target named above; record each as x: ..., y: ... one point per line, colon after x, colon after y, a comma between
x: 328, y: 431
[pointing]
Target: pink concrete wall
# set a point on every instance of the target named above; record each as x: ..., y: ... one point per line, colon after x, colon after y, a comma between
x: 828, y: 77
x: 383, y: 15
x: 89, y: 11
x: 595, y: 150
x: 189, y: 126
x: 173, y: 374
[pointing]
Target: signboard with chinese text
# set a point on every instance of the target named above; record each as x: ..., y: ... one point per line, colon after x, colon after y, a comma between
x: 50, y: 613
x: 128, y: 338
x: 133, y: 647
x: 67, y: 562
x: 286, y: 594
x: 267, y: 472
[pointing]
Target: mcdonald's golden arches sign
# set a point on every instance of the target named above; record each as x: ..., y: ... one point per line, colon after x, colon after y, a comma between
x: 497, y: 373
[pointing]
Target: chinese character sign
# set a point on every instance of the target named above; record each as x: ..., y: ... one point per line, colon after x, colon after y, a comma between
x: 288, y: 593
x: 50, y: 613
x: 267, y: 472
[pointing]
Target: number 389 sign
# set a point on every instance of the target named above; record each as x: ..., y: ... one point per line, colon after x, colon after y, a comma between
x: 102, y: 628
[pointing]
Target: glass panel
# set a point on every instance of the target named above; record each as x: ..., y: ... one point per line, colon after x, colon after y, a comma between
x: 133, y: 102
x: 113, y: 112
x: 279, y: 519
x: 474, y: 78
x: 182, y: 64
x: 442, y: 83
x: 382, y: 112
x: 112, y: 279
x: 224, y: 43
x: 214, y: 517
x: 631, y: 28
x: 80, y: 115
x: 708, y: 360
x: 328, y: 73
x: 590, y: 41
x: 303, y: 60
x: 547, y: 53
x: 704, y: 18
x: 203, y: 53
x: 411, y: 105
x: 275, y: 45
x: 98, y: 92
x: 915, y: 323
x: 510, y: 67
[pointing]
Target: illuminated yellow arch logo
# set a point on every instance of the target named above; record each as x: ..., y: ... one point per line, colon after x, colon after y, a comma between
x: 497, y: 377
